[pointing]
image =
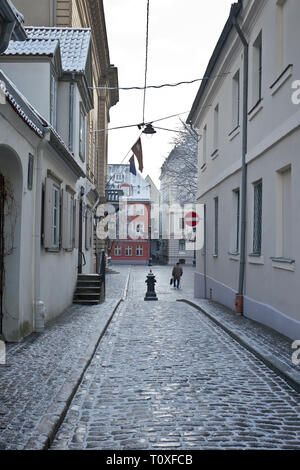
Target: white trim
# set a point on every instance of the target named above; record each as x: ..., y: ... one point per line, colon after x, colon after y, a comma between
x: 287, y: 74
x: 254, y: 112
x: 286, y: 265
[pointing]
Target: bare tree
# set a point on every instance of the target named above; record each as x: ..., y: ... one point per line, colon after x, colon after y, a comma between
x: 180, y: 169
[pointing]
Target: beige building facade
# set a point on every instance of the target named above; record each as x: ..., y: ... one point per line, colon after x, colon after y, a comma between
x: 84, y: 14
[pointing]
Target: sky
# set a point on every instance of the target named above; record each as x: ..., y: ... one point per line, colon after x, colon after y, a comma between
x: 182, y: 37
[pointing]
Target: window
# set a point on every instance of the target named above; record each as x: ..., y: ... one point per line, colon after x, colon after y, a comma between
x: 181, y: 223
x: 285, y: 225
x: 257, y: 69
x: 139, y: 250
x: 53, y: 100
x: 119, y: 177
x: 130, y: 209
x: 140, y: 229
x: 257, y: 219
x: 236, y: 100
x: 216, y: 128
x: 82, y: 134
x: 280, y: 35
x: 88, y: 229
x: 128, y: 250
x: 181, y: 245
x: 204, y: 145
x: 139, y: 210
x: 68, y: 218
x: 118, y: 250
x: 55, y: 217
x: 52, y: 213
x: 216, y: 245
x: 237, y: 220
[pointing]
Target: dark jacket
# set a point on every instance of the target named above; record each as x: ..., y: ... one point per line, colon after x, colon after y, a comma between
x: 177, y: 272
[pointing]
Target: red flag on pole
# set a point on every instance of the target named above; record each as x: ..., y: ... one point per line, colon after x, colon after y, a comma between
x: 137, y: 150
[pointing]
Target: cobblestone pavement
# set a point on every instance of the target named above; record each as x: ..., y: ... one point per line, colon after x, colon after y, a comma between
x: 166, y: 377
x: 38, y: 367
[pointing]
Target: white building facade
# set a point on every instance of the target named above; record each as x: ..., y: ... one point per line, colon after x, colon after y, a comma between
x: 249, y: 126
x: 46, y: 201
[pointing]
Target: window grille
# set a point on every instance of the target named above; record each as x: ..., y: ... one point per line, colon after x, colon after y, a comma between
x: 216, y: 226
x: 257, y: 224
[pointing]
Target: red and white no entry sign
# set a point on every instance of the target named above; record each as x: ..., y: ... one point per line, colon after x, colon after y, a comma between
x: 192, y: 219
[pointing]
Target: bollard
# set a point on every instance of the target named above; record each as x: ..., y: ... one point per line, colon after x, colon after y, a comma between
x: 150, y: 281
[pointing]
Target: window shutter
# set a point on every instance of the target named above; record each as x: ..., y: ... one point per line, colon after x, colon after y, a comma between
x: 48, y: 215
x: 76, y: 224
x: 65, y: 220
x: 88, y: 230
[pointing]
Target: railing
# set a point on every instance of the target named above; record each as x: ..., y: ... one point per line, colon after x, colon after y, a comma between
x: 100, y: 267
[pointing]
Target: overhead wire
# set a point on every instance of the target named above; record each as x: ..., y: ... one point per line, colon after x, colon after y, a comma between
x: 185, y: 82
x: 146, y: 58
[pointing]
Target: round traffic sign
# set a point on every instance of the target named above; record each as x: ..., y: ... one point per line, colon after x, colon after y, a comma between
x: 192, y: 219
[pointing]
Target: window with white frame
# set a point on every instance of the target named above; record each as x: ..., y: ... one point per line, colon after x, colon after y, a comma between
x: 181, y: 223
x: 204, y: 146
x: 140, y: 228
x: 119, y: 177
x: 52, y: 214
x: 181, y: 245
x: 236, y: 247
x: 284, y: 211
x: 130, y: 210
x: 257, y: 218
x: 53, y: 100
x: 216, y: 128
x: 139, y: 209
x: 56, y: 217
x: 118, y: 250
x: 128, y: 250
x: 82, y: 133
x: 257, y: 69
x: 139, y: 250
x: 68, y: 219
x: 236, y: 100
x: 280, y: 49
x: 216, y: 241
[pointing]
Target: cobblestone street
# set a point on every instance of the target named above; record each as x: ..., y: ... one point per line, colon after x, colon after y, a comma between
x: 165, y: 376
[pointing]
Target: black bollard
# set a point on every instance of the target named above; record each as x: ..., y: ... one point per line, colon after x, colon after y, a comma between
x: 150, y: 281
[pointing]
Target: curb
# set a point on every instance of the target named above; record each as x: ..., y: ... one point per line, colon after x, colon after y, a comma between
x: 47, y: 428
x: 271, y: 361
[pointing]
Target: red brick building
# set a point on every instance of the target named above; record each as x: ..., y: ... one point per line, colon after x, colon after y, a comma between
x: 132, y: 245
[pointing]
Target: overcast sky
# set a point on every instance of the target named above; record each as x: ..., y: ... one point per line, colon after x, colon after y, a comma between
x: 182, y: 36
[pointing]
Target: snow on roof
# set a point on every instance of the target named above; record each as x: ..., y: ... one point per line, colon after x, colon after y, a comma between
x: 74, y: 44
x: 21, y: 105
x: 32, y: 47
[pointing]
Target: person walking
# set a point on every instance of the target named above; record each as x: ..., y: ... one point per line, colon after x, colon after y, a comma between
x: 176, y: 274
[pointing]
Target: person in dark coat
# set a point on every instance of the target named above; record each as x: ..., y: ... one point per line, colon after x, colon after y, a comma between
x: 176, y: 274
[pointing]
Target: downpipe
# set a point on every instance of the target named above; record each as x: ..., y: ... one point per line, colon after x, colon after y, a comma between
x: 239, y: 302
x: 38, y: 304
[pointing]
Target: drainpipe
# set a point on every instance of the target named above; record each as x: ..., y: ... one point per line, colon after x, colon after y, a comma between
x: 38, y: 304
x: 240, y: 296
x: 71, y: 112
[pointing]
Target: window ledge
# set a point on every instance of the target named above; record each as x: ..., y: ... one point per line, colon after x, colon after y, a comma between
x: 283, y: 77
x: 215, y: 154
x: 234, y: 133
x: 256, y: 109
x: 203, y: 168
x: 283, y: 263
x: 254, y: 258
x: 215, y: 255
x: 235, y: 256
